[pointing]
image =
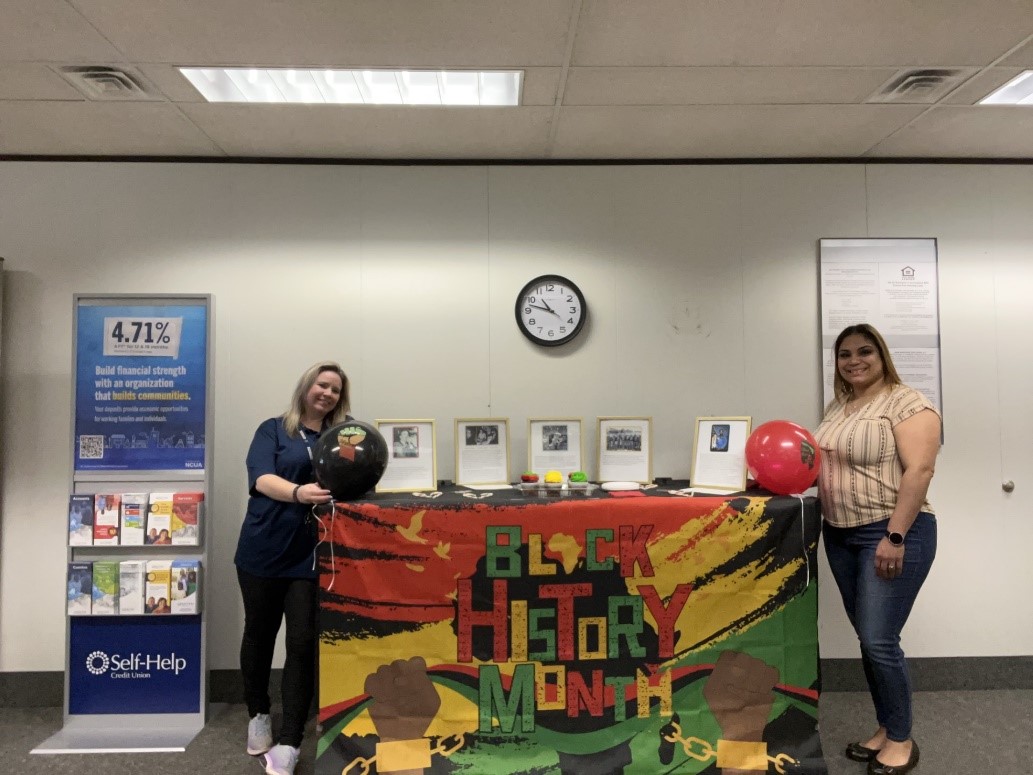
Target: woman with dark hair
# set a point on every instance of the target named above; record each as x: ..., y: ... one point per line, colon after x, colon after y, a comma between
x: 879, y: 441
x: 275, y: 561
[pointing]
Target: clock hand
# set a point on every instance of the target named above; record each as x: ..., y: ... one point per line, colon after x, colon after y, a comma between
x: 543, y: 309
x: 550, y: 309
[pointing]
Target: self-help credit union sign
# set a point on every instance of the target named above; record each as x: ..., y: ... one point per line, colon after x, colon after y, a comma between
x: 135, y: 665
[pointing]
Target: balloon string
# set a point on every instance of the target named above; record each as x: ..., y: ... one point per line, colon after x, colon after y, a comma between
x: 803, y: 539
x: 322, y: 532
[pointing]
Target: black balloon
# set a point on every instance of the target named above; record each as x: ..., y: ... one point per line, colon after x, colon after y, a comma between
x: 349, y: 459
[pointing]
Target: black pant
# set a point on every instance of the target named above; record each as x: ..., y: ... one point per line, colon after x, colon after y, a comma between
x: 266, y: 603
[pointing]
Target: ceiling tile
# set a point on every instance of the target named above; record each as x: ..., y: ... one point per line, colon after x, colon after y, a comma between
x: 541, y: 85
x: 374, y: 33
x: 886, y: 33
x: 982, y: 131
x: 50, y: 31
x: 980, y: 85
x: 721, y: 85
x: 99, y: 129
x: 28, y: 81
x: 378, y: 132
x: 719, y: 131
x: 172, y: 83
x: 1022, y: 58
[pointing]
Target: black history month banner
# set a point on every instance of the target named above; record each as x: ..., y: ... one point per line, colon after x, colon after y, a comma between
x: 647, y: 634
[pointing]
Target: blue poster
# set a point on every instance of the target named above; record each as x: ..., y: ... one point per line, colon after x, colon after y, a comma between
x: 134, y: 664
x: 140, y: 387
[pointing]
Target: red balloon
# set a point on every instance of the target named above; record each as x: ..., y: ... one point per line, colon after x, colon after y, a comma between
x: 783, y: 457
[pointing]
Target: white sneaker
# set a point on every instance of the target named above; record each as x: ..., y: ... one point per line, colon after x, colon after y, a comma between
x: 259, y: 734
x: 281, y: 760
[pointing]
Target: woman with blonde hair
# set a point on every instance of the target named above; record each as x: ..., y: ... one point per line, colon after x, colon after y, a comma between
x: 275, y: 561
x: 879, y: 441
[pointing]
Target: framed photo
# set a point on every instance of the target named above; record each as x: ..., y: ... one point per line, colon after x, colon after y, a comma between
x: 482, y: 450
x: 412, y: 463
x: 555, y: 444
x: 626, y: 449
x: 719, y: 453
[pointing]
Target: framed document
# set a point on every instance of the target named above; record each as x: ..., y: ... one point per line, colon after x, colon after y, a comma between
x: 412, y: 462
x: 482, y: 450
x: 719, y: 453
x: 554, y: 444
x: 893, y: 284
x: 626, y: 449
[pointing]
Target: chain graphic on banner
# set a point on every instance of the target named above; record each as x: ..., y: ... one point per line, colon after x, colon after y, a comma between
x: 702, y: 751
x: 363, y: 765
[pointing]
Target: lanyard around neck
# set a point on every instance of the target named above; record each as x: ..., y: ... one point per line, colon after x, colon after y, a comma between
x: 308, y: 444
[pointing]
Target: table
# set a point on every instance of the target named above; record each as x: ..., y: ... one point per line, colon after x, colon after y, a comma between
x: 490, y: 632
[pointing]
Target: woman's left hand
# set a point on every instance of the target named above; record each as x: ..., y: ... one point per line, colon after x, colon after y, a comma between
x: 889, y: 560
x: 311, y: 494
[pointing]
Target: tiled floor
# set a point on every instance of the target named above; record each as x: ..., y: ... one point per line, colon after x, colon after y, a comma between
x: 959, y: 732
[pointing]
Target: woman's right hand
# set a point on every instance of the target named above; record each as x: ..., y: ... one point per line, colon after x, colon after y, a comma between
x: 313, y: 493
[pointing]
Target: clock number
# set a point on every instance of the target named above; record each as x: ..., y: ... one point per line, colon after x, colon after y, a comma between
x: 530, y: 322
x: 530, y: 299
x: 563, y: 329
x: 551, y: 332
x: 570, y: 297
x: 573, y: 309
x: 570, y: 320
x: 527, y: 310
x: 550, y: 288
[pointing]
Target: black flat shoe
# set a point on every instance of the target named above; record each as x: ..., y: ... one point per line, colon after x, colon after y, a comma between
x: 875, y: 767
x: 858, y: 753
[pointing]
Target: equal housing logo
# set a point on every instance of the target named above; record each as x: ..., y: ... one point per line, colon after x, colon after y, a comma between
x: 138, y: 665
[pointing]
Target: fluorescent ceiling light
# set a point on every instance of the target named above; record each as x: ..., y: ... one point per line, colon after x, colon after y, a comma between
x: 1018, y: 91
x: 356, y: 87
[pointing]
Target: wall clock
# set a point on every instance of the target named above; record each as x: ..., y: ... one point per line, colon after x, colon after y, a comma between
x: 550, y: 310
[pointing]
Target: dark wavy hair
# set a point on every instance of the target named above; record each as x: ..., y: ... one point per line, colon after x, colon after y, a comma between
x: 845, y: 391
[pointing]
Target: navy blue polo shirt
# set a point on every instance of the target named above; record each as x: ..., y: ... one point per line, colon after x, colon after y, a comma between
x: 275, y: 540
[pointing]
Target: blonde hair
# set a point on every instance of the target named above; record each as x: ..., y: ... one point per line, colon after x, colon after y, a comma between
x: 890, y: 376
x: 292, y: 417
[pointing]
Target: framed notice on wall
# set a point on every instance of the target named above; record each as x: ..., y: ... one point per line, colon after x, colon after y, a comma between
x: 891, y: 284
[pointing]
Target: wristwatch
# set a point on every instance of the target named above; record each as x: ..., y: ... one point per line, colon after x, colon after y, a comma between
x: 897, y: 539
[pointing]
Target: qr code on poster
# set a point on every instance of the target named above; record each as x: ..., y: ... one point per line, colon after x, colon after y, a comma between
x: 91, y: 447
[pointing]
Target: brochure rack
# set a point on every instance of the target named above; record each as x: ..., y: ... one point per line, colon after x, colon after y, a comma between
x: 142, y: 422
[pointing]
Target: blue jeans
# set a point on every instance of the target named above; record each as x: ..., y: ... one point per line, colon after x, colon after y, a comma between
x: 879, y: 608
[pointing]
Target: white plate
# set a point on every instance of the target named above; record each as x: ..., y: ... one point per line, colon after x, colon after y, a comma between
x: 617, y: 486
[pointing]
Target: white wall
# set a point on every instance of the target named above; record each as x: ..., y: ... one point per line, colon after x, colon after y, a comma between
x: 702, y: 288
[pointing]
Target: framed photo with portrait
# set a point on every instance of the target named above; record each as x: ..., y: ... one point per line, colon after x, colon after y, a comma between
x: 555, y: 444
x: 412, y: 463
x: 625, y: 449
x: 719, y: 453
x: 482, y: 450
